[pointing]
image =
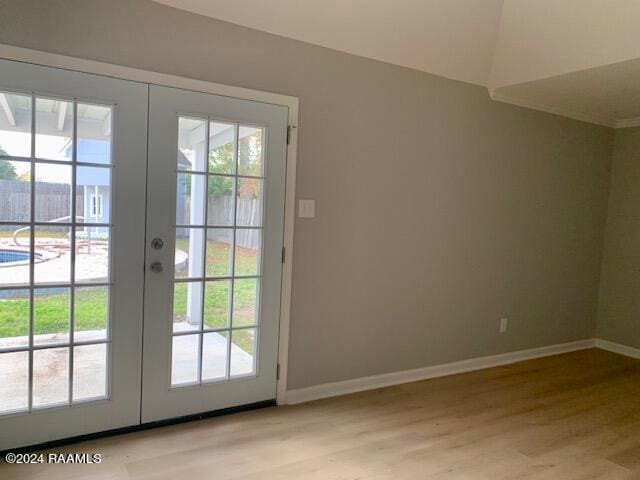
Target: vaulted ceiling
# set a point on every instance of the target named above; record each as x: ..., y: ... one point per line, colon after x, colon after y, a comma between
x: 571, y: 57
x: 451, y: 38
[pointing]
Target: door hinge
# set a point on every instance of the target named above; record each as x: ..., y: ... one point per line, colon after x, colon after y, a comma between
x: 288, y: 134
x: 278, y: 372
x: 284, y: 254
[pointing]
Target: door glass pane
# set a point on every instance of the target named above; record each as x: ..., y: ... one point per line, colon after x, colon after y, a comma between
x: 14, y: 381
x: 52, y: 254
x: 190, y: 199
x: 91, y: 313
x: 187, y: 306
x: 221, y: 200
x: 232, y: 252
x: 14, y: 318
x: 15, y: 249
x: 93, y: 187
x: 15, y: 191
x: 15, y: 252
x: 92, y: 254
x: 214, y: 356
x: 53, y: 193
x: 234, y: 202
x: 94, y: 133
x: 54, y: 129
x: 245, y: 299
x: 89, y: 371
x: 216, y: 304
x: 51, y: 315
x: 59, y: 228
x: 191, y: 144
x: 249, y: 205
x: 250, y: 161
x: 243, y: 352
x: 248, y: 246
x: 50, y: 376
x: 189, y: 251
x: 219, y: 242
x: 15, y: 125
x: 222, y: 148
x: 184, y: 359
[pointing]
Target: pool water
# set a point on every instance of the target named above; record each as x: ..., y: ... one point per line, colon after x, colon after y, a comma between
x: 7, y: 256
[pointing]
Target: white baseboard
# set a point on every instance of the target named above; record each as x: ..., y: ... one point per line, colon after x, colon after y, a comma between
x: 361, y: 384
x: 618, y: 348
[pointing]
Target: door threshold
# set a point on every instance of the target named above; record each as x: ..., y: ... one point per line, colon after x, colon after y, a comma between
x: 137, y: 428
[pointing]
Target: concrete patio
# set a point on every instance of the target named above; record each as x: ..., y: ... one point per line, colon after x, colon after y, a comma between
x: 53, y: 262
x: 50, y: 375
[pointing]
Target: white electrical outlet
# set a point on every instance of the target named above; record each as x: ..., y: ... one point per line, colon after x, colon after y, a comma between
x: 503, y: 324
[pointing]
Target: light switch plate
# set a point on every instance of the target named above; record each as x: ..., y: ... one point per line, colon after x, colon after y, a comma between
x: 306, y: 208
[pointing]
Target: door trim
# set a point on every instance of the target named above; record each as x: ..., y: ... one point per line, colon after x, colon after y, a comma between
x: 37, y: 57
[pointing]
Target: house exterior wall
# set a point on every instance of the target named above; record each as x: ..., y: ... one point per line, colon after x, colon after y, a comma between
x: 105, y: 193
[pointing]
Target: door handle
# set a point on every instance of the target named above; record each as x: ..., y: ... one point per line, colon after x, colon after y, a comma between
x: 156, y: 267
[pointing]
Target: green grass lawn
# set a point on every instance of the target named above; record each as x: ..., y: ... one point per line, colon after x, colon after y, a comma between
x: 51, y: 312
x: 217, y: 292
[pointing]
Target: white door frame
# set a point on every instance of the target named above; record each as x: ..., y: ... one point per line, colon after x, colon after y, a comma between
x: 10, y: 52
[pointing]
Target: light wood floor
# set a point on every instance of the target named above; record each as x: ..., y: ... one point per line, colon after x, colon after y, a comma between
x: 573, y: 416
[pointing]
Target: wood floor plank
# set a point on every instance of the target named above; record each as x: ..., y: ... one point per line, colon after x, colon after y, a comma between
x: 571, y: 416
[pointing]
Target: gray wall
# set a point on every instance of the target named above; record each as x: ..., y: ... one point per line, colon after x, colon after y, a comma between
x: 619, y: 306
x: 438, y: 210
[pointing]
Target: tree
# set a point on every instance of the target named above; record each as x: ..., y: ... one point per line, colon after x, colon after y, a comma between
x: 250, y: 163
x: 220, y: 161
x: 7, y: 170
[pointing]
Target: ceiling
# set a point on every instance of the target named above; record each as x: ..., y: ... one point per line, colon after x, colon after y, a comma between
x: 577, y: 58
x: 450, y: 38
x: 607, y: 95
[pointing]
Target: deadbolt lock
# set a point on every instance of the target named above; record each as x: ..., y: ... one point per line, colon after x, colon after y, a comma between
x: 157, y: 243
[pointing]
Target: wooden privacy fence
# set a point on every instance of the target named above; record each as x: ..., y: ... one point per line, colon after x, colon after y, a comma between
x: 52, y: 200
x: 220, y: 212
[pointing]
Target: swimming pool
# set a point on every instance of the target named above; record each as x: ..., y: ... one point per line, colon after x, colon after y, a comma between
x: 12, y: 256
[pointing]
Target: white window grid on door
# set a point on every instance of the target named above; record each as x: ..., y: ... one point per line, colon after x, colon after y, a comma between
x: 72, y: 224
x: 203, y: 279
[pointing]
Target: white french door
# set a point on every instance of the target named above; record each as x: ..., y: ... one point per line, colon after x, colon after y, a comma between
x: 80, y: 277
x: 215, y: 209
x: 72, y: 194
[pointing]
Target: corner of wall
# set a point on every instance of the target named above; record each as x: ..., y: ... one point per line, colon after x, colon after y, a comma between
x: 596, y: 330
